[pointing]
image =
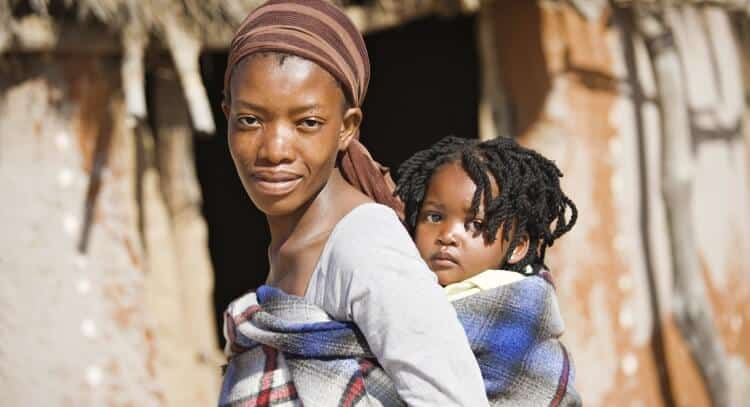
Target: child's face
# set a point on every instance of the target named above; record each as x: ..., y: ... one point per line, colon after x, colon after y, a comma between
x: 449, y: 239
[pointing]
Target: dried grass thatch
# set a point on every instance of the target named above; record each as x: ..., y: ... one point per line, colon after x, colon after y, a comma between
x: 215, y: 20
x: 185, y: 27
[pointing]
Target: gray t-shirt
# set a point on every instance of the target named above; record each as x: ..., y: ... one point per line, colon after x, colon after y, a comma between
x: 370, y: 272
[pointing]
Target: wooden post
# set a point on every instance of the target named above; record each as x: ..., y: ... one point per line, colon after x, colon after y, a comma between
x: 691, y: 307
x: 193, y: 279
x: 494, y: 115
x: 185, y: 48
x: 6, y: 35
x: 134, y: 41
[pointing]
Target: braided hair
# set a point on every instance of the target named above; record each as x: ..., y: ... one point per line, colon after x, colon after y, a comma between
x: 530, y: 201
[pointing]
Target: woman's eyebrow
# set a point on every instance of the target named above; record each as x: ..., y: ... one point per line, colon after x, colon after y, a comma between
x: 303, y: 109
x: 249, y: 105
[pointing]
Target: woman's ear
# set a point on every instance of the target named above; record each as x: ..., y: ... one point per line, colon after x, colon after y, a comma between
x: 225, y: 108
x: 349, y: 127
x: 520, y: 250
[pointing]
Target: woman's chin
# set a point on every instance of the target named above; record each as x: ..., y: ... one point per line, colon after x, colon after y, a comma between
x: 275, y: 207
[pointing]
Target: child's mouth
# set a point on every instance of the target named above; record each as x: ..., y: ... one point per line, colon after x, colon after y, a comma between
x: 443, y: 260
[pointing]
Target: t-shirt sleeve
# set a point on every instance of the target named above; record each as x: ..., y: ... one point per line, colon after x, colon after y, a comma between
x: 395, y: 300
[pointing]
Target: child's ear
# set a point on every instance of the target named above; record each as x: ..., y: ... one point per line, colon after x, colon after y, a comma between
x: 349, y: 127
x: 520, y: 251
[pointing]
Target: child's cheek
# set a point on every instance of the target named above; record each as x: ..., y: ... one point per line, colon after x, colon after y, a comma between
x: 421, y: 241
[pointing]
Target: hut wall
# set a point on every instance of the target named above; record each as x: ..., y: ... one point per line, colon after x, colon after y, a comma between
x: 125, y: 320
x: 76, y: 324
x: 583, y: 92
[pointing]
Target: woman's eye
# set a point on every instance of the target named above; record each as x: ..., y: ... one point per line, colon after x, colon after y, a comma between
x: 310, y: 124
x: 433, y: 217
x: 248, y: 121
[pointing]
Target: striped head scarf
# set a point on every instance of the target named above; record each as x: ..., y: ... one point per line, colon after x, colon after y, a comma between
x: 319, y: 32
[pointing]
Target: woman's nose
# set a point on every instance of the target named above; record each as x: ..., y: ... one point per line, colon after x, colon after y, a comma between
x: 277, y: 147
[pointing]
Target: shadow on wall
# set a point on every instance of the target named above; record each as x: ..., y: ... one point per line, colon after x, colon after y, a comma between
x: 424, y: 86
x: 523, y: 69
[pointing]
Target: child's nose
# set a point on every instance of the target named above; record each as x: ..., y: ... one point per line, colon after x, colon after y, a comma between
x: 447, y: 236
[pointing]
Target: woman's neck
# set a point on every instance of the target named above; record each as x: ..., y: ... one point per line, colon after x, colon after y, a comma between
x: 310, y: 219
x: 297, y: 240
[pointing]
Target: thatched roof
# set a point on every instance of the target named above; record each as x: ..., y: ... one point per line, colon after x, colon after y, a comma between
x: 215, y: 19
x: 742, y: 5
x: 185, y: 27
x: 211, y: 21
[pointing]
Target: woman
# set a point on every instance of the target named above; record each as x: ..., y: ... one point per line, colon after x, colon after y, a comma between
x: 297, y: 75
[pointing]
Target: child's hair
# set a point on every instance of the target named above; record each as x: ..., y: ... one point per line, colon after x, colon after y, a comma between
x: 529, y: 202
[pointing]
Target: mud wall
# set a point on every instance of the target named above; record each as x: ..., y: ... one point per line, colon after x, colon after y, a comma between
x: 582, y: 91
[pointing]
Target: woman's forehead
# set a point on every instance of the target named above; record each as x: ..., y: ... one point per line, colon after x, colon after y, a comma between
x: 276, y: 77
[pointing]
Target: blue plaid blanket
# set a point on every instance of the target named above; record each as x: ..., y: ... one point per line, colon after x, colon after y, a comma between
x: 284, y: 351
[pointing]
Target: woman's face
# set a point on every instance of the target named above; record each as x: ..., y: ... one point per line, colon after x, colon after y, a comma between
x: 286, y: 125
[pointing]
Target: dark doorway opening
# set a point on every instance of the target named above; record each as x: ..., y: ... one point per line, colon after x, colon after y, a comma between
x: 425, y: 86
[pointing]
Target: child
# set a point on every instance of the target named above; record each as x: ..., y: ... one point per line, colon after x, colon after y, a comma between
x: 482, y: 215
x: 473, y: 207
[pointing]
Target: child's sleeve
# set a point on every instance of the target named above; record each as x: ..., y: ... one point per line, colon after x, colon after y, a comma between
x: 395, y: 300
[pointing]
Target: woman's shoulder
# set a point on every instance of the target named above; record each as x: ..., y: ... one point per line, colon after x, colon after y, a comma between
x: 368, y: 241
x: 366, y: 231
x: 368, y: 214
x: 368, y: 250
x: 368, y: 221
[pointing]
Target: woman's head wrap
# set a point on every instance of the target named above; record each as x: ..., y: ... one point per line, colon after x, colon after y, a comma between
x: 318, y: 31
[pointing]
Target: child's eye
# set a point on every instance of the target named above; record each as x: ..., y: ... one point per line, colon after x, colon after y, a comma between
x: 248, y: 121
x: 433, y: 217
x: 476, y: 225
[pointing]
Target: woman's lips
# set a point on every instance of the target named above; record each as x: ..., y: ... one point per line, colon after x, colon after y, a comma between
x: 275, y: 183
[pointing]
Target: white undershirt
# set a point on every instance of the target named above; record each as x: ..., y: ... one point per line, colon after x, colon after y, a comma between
x: 370, y: 272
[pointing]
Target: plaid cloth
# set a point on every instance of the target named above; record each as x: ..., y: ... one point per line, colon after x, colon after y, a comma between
x: 290, y: 353
x: 284, y: 351
x: 514, y: 331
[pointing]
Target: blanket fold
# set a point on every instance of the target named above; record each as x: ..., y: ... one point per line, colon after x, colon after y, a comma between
x: 284, y: 351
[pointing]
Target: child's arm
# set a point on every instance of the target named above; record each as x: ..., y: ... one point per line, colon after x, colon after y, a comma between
x: 403, y: 313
